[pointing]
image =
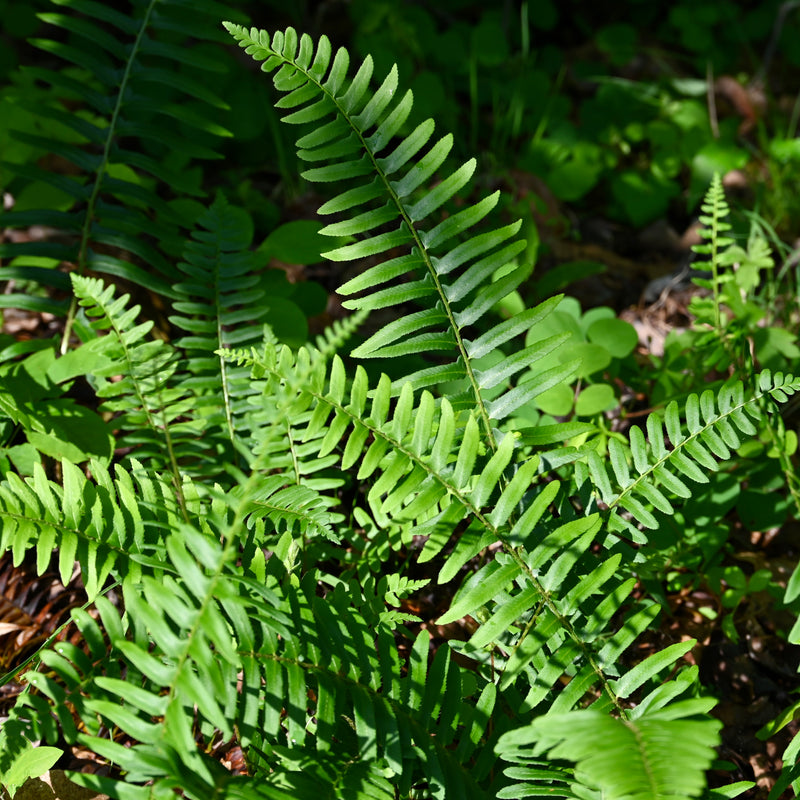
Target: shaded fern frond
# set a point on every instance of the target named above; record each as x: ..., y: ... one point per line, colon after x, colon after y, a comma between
x: 221, y: 306
x: 144, y: 120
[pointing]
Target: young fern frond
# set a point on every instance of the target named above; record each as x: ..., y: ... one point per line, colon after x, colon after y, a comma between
x: 354, y: 139
x: 715, y: 212
x: 713, y: 429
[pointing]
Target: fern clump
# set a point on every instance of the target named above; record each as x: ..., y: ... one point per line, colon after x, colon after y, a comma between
x: 279, y: 507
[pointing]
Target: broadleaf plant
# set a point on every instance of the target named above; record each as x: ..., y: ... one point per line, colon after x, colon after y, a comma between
x: 240, y: 594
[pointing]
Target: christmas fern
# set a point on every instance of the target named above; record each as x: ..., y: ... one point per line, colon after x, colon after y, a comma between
x: 354, y: 142
x: 276, y: 509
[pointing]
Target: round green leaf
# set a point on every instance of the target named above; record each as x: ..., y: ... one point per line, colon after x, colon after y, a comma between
x: 311, y: 297
x: 557, y: 322
x: 556, y: 401
x: 595, y: 400
x: 615, y: 335
x: 297, y: 242
x: 489, y: 43
x: 643, y: 198
x: 287, y: 321
x: 594, y: 314
x: 618, y: 41
x: 593, y: 357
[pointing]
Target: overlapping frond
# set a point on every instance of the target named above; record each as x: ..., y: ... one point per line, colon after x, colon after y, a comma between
x: 245, y: 615
x: 545, y: 601
x: 203, y: 635
x: 394, y: 207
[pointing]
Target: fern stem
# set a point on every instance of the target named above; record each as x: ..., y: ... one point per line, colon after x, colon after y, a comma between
x: 567, y: 626
x: 88, y: 218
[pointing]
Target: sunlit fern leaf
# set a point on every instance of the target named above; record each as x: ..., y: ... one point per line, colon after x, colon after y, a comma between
x: 204, y: 636
x: 661, y: 755
x: 289, y: 507
x: 714, y: 426
x: 355, y: 141
x: 428, y: 467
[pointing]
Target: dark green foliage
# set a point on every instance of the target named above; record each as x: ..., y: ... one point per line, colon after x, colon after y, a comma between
x: 146, y: 119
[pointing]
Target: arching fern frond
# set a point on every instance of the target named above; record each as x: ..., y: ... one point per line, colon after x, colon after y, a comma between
x: 427, y: 467
x: 300, y: 677
x: 651, y: 469
x: 354, y: 139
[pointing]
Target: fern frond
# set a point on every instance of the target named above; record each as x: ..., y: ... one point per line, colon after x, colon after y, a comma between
x: 101, y: 524
x: 136, y: 378
x: 661, y: 755
x: 651, y: 471
x: 220, y: 306
x: 426, y: 466
x: 262, y: 652
x: 354, y: 139
x: 118, y: 63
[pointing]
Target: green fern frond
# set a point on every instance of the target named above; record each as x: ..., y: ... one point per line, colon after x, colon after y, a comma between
x: 426, y: 465
x: 354, y: 140
x: 221, y: 306
x: 713, y: 428
x: 136, y: 380
x: 101, y: 523
x: 191, y: 636
x: 658, y: 756
x: 117, y: 64
x: 289, y: 506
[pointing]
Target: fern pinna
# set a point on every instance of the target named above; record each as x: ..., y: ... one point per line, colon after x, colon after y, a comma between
x: 258, y: 607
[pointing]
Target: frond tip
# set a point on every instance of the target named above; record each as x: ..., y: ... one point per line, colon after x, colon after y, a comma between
x: 396, y: 188
x: 659, y: 756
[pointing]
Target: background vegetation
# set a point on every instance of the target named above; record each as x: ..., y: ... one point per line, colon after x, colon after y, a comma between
x: 155, y: 165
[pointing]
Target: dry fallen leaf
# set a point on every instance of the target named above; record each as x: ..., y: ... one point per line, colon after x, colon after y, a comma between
x: 55, y: 785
